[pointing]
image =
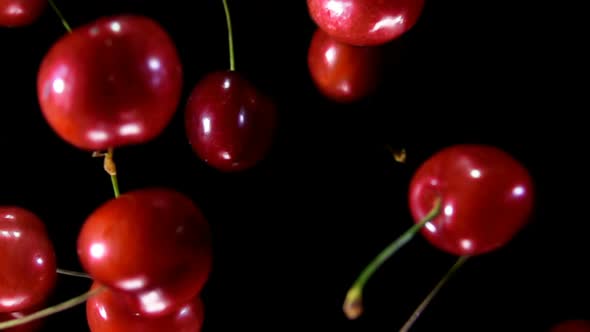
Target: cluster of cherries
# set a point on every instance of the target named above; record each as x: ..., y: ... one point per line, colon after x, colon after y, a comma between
x: 117, y: 81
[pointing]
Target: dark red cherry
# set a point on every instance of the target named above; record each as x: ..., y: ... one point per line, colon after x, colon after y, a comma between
x: 106, y: 312
x: 32, y: 326
x: 27, y: 260
x: 19, y: 13
x: 574, y: 325
x: 229, y: 123
x: 153, y: 243
x: 116, y: 81
x: 365, y: 22
x: 486, y: 198
x: 342, y: 72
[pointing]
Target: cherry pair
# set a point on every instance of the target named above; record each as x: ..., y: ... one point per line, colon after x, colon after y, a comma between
x: 344, y: 57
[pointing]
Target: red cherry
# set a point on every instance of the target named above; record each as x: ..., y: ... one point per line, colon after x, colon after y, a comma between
x: 152, y: 243
x: 31, y: 326
x: 27, y: 260
x: 229, y: 123
x: 486, y: 198
x: 19, y: 13
x: 114, y: 82
x: 342, y: 72
x: 106, y: 313
x: 574, y: 325
x: 365, y: 22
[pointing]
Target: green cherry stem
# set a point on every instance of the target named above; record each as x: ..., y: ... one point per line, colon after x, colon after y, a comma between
x: 230, y: 38
x: 73, y: 273
x: 51, y: 310
x: 61, y: 17
x: 353, y: 304
x: 410, y: 322
x: 110, y: 168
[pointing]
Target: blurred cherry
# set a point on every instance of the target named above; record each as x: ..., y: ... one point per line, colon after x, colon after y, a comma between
x: 154, y: 243
x: 19, y: 13
x: 573, y: 325
x: 113, y: 82
x: 27, y: 260
x: 342, y: 72
x: 229, y: 123
x: 106, y: 312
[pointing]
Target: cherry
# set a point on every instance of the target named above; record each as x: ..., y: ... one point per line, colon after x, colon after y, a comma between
x: 342, y: 72
x: 113, y: 82
x: 486, y: 198
x: 19, y: 13
x: 573, y: 325
x: 105, y: 312
x: 154, y: 244
x: 32, y: 326
x: 365, y: 22
x: 28, y: 263
x: 230, y: 124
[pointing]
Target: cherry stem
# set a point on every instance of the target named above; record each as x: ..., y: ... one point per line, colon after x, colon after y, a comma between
x: 230, y: 38
x: 61, y: 17
x: 110, y: 168
x: 51, y: 310
x: 353, y: 304
x: 73, y: 273
x: 410, y: 322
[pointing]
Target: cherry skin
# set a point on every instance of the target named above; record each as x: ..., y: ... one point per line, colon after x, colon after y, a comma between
x: 574, y: 325
x: 229, y: 123
x: 28, y: 263
x: 32, y: 326
x: 105, y: 312
x: 154, y: 244
x: 365, y: 22
x: 20, y: 13
x: 113, y: 82
x: 486, y: 198
x: 342, y: 72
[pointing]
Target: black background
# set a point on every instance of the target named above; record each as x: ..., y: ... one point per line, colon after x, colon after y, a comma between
x: 292, y: 234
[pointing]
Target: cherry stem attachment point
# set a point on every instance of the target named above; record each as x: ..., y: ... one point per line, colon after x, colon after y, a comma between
x: 110, y: 168
x: 73, y: 273
x: 410, y: 322
x: 61, y: 17
x: 51, y: 310
x: 353, y: 304
x: 399, y: 155
x: 230, y: 38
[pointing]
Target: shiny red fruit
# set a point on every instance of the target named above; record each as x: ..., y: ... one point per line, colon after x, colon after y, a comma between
x: 229, y: 123
x: 342, y: 72
x: 106, y: 312
x: 19, y: 13
x: 114, y: 82
x: 487, y: 197
x: 154, y: 243
x: 32, y: 326
x: 365, y: 22
x: 27, y: 260
x: 574, y: 325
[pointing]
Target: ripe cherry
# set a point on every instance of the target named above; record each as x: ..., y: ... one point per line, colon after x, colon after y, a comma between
x: 19, y: 13
x: 365, y: 22
x: 342, y: 72
x: 152, y: 243
x: 32, y: 326
x: 113, y: 82
x: 573, y: 325
x: 229, y: 123
x: 27, y: 260
x: 105, y: 312
x: 486, y: 198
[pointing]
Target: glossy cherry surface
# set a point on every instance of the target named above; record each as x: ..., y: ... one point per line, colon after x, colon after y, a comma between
x: 32, y: 326
x: 365, y: 22
x: 116, y: 81
x: 106, y: 312
x: 154, y: 243
x: 342, y: 72
x: 27, y: 260
x: 486, y: 195
x: 574, y: 325
x: 19, y: 13
x: 229, y: 123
